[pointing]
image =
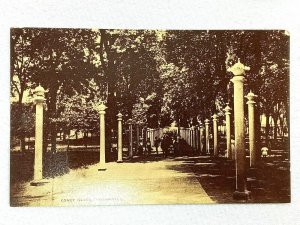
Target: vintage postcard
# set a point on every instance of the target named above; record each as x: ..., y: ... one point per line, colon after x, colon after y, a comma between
x: 123, y: 117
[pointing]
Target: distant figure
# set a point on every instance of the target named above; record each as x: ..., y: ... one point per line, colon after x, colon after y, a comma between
x: 156, y: 144
x: 165, y: 145
x: 172, y: 145
x: 182, y: 145
x: 148, y: 146
x: 264, y: 152
x: 176, y: 147
x: 169, y: 143
x: 140, y: 148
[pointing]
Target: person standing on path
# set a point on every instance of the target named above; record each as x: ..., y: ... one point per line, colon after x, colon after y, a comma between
x: 164, y: 145
x: 156, y: 144
x: 148, y: 146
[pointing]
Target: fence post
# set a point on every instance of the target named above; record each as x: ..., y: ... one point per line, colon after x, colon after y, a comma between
x: 201, y: 137
x: 228, y: 132
x: 120, y: 138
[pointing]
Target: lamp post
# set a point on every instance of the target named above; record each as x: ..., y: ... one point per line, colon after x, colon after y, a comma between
x: 215, y: 130
x: 207, y: 136
x: 120, y: 134
x: 228, y: 131
x: 192, y: 132
x: 196, y: 138
x: 238, y: 71
x: 101, y: 109
x: 130, y: 138
x: 201, y: 137
x: 39, y: 100
x: 252, y: 148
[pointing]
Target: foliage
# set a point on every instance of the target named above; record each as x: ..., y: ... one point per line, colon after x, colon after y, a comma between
x: 127, y: 59
x: 22, y: 124
x: 196, y: 80
x: 154, y: 77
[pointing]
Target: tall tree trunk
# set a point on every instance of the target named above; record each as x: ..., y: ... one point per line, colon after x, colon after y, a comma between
x: 110, y: 121
x: 28, y: 143
x: 275, y: 128
x: 21, y: 124
x: 64, y: 136
x: 52, y: 114
x: 281, y: 121
x: 45, y: 134
x: 288, y: 122
x: 267, y: 129
x: 85, y: 139
x: 22, y: 142
x: 53, y: 137
x: 257, y: 131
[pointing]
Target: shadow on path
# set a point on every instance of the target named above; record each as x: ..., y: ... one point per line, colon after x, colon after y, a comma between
x: 268, y: 183
x: 58, y: 164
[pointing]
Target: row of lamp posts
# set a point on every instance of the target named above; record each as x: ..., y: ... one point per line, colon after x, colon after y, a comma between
x: 39, y: 99
x: 238, y: 80
x: 236, y: 152
x: 102, y: 164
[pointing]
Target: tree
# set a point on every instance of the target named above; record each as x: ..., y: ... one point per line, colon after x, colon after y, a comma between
x: 77, y: 112
x: 205, y: 56
x: 181, y: 75
x: 63, y: 66
x: 129, y: 68
x: 22, y: 124
x: 199, y: 62
x: 23, y: 62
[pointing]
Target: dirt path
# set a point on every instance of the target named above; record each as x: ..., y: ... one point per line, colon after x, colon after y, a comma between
x: 156, y: 182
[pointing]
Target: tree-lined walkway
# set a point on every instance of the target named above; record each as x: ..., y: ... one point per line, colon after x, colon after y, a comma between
x: 155, y: 182
x: 141, y: 89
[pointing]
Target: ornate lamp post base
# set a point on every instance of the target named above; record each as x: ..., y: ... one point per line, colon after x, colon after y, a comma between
x: 39, y: 182
x: 241, y: 195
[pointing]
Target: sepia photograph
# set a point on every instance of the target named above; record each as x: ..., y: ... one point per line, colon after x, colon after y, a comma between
x: 135, y: 117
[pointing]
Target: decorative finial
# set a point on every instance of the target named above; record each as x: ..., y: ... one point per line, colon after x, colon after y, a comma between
x: 101, y: 106
x: 215, y: 116
x: 39, y: 91
x: 238, y: 69
x: 251, y: 96
x: 227, y: 108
